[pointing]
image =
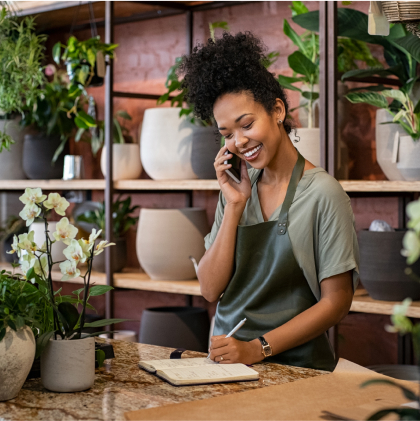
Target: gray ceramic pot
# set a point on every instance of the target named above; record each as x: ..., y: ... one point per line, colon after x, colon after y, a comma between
x: 205, y: 147
x: 382, y: 266
x: 119, y: 257
x: 38, y: 152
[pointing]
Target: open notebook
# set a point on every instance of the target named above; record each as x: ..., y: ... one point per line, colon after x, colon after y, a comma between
x: 194, y: 371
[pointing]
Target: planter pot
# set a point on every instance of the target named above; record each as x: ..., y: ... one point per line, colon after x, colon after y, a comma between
x: 205, y: 147
x: 17, y: 353
x: 408, y: 158
x: 125, y: 161
x: 38, y: 152
x: 119, y: 257
x: 308, y: 143
x: 11, y: 161
x: 382, y: 266
x: 68, y: 366
x: 39, y: 238
x: 385, y: 138
x: 167, y: 237
x: 167, y: 142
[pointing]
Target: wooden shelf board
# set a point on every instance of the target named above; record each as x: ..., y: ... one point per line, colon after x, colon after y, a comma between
x: 53, y: 184
x: 167, y: 185
x: 370, y: 186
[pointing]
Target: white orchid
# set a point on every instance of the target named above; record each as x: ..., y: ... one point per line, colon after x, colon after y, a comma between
x: 400, y: 322
x: 56, y: 202
x: 65, y: 231
x: 94, y: 235
x: 15, y: 247
x: 411, y: 244
x: 101, y: 246
x: 69, y: 270
x: 26, y: 242
x: 32, y: 196
x: 85, y: 246
x: 41, y: 266
x: 74, y: 252
x: 27, y: 262
x: 29, y: 213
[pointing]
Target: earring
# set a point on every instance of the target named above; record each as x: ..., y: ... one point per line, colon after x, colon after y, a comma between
x: 280, y: 121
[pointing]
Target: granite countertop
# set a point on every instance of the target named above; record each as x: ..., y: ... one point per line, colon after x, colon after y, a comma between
x: 120, y: 386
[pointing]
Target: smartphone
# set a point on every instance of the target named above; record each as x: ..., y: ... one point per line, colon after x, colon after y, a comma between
x: 235, y: 170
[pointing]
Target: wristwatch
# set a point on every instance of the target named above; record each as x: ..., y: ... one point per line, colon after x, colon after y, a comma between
x: 266, y: 348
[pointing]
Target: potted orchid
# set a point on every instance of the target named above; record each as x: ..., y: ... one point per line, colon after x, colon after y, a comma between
x: 60, y: 372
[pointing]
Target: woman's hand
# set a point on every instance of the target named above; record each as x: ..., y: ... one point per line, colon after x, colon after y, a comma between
x: 234, y: 351
x: 234, y: 193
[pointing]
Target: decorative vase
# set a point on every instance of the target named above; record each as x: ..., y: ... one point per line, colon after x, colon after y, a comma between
x: 307, y: 142
x: 382, y: 266
x: 385, y: 133
x: 17, y: 353
x: 126, y: 163
x: 68, y: 366
x: 119, y: 257
x: 11, y: 161
x: 408, y: 158
x: 205, y: 147
x: 167, y: 142
x: 38, y: 152
x: 39, y: 238
x: 167, y: 237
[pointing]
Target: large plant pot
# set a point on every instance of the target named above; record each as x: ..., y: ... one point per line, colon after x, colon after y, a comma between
x: 17, y: 353
x: 68, y: 366
x: 408, y: 158
x: 382, y: 266
x: 385, y: 139
x: 11, y: 161
x: 39, y: 238
x: 167, y: 237
x: 205, y: 147
x: 38, y: 152
x: 307, y: 142
x: 126, y: 164
x: 167, y: 142
x: 119, y: 257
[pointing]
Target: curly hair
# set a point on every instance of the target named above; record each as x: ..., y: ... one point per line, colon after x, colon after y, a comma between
x: 231, y: 64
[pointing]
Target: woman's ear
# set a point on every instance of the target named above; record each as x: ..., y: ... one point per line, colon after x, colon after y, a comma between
x: 280, y: 110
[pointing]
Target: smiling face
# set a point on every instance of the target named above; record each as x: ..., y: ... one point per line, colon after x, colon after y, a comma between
x: 250, y: 132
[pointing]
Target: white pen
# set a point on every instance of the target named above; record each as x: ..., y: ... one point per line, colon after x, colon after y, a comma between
x: 234, y: 330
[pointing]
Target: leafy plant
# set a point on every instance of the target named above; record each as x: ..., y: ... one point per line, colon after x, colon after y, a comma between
x: 121, y: 211
x: 81, y: 57
x: 21, y: 55
x: 36, y: 265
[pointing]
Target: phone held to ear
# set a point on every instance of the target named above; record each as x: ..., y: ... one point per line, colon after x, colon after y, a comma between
x: 235, y: 170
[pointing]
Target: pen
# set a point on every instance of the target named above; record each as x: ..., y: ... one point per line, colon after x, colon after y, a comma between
x: 234, y: 330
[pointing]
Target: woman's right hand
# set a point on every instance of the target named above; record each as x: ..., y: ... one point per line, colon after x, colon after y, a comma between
x: 234, y: 193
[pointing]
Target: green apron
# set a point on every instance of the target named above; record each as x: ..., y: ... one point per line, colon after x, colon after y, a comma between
x: 269, y: 288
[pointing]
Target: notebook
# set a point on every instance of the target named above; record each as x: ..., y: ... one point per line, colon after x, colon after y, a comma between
x: 195, y: 371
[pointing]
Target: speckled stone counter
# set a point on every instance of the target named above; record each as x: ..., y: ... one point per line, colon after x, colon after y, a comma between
x: 120, y: 386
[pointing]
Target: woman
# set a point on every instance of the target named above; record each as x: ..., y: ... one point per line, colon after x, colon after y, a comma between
x: 283, y: 250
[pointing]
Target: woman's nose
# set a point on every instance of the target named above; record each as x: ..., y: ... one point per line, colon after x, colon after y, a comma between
x: 240, y: 141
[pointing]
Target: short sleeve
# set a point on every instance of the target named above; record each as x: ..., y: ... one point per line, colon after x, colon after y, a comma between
x: 337, y: 248
x: 220, y: 209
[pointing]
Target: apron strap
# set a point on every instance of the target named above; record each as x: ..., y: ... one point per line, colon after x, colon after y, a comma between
x: 290, y: 194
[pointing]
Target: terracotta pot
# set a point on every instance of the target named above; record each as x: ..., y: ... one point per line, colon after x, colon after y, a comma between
x: 385, y: 138
x: 167, y: 142
x: 167, y: 237
x: 307, y: 142
x: 382, y: 266
x: 408, y: 158
x: 126, y: 164
x: 68, y: 366
x: 17, y: 353
x: 38, y: 152
x: 119, y: 257
x: 11, y: 161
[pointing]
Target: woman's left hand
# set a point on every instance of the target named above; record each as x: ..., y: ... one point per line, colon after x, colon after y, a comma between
x: 230, y: 350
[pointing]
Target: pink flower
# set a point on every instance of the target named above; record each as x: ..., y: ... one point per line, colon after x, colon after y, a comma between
x: 50, y: 70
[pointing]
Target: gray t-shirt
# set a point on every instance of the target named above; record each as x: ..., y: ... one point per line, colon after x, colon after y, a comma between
x: 321, y: 226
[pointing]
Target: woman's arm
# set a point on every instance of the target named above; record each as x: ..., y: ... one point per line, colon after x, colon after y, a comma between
x: 335, y: 302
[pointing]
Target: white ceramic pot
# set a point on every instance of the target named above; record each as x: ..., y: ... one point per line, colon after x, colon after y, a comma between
x: 385, y: 139
x: 126, y: 163
x: 122, y: 335
x: 11, y: 161
x: 17, y: 353
x: 408, y: 157
x: 167, y: 237
x: 68, y: 366
x: 307, y: 142
x: 166, y: 144
x: 39, y: 238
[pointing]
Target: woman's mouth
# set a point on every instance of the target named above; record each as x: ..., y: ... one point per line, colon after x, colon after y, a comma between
x: 253, y: 154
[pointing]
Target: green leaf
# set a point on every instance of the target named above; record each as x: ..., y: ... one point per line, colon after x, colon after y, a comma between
x: 294, y: 37
x: 300, y: 64
x: 11, y: 325
x: 395, y: 94
x: 105, y: 322
x: 42, y: 342
x: 312, y: 96
x: 360, y: 73
x: 2, y: 333
x: 91, y: 56
x: 417, y: 108
x: 286, y: 85
x: 100, y: 357
x: 298, y: 8
x: 87, y: 119
x: 78, y: 291
x: 59, y: 149
x: 30, y: 274
x: 79, y: 134
x: 80, y: 123
x: 56, y: 52
x: 410, y: 43
x: 99, y: 290
x: 407, y: 392
x: 371, y: 98
x: 69, y: 316
x: 123, y: 114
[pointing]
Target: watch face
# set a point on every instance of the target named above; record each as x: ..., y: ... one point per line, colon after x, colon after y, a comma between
x: 267, y: 350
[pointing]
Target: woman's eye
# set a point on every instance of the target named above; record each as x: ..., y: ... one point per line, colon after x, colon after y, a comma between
x: 228, y: 136
x: 248, y: 126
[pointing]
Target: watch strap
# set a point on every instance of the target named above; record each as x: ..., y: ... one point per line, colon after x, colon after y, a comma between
x: 266, y: 348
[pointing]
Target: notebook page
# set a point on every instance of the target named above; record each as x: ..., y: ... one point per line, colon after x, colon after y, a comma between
x: 183, y: 362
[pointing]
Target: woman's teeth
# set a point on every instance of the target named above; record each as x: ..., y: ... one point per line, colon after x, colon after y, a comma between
x: 250, y: 153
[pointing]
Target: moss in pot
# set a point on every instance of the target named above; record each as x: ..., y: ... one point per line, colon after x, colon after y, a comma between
x: 122, y: 221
